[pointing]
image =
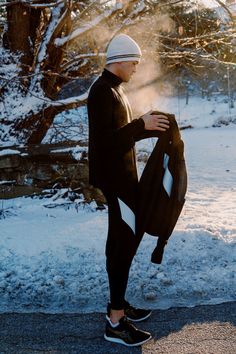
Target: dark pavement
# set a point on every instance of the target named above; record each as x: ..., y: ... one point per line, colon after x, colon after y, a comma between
x: 207, y: 329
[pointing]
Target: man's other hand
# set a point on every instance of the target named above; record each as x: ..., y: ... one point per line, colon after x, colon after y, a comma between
x: 154, y: 121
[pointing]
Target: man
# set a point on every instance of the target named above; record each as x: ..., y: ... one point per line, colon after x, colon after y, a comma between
x: 112, y: 168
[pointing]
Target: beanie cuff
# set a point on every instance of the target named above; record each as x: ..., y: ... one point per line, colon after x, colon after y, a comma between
x: 126, y: 57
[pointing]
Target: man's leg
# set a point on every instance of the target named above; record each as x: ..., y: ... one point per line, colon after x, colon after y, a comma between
x: 121, y: 247
x: 122, y: 244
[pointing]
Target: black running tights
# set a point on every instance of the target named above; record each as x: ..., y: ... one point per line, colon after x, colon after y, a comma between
x: 121, y: 245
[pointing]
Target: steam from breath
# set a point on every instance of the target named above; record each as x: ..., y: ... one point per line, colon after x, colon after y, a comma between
x: 146, y: 86
x: 146, y: 89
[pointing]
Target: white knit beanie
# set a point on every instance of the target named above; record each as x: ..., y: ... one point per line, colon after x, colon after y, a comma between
x: 122, y: 48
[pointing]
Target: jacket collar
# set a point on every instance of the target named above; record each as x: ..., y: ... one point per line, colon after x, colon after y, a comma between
x: 114, y: 79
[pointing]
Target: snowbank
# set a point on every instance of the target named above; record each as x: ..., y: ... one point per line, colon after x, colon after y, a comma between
x: 52, y: 259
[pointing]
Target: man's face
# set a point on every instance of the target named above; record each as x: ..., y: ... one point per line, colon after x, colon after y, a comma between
x: 126, y: 69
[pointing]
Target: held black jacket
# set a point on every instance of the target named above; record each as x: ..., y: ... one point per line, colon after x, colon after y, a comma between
x: 112, y: 135
x: 162, y: 188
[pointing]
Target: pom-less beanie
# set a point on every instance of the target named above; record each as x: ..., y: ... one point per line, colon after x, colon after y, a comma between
x: 122, y: 48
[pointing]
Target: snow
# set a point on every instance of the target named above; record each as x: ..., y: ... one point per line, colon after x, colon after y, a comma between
x: 56, y: 18
x: 213, y: 111
x: 9, y: 152
x: 72, y: 125
x: 76, y: 151
x: 85, y: 28
x: 7, y: 182
x: 52, y: 4
x: 14, y: 104
x: 67, y: 101
x: 52, y: 250
x: 199, y: 112
x: 22, y: 105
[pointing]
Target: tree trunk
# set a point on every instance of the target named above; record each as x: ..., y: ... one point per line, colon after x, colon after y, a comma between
x: 33, y: 129
x: 21, y: 32
x: 52, y: 84
x: 24, y: 35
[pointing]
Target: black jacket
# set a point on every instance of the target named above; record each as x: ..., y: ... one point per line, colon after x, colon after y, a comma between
x: 162, y: 188
x: 112, y: 135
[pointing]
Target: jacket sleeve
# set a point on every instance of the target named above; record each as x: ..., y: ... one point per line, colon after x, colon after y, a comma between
x: 100, y: 110
x: 147, y: 134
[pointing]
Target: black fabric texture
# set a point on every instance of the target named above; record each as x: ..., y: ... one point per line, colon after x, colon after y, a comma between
x: 112, y: 135
x: 157, y: 212
x: 112, y: 168
x: 121, y: 247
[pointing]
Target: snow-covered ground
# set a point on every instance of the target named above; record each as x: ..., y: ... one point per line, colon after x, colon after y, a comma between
x: 52, y: 259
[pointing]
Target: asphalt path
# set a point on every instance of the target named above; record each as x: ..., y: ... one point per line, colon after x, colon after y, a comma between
x: 207, y: 329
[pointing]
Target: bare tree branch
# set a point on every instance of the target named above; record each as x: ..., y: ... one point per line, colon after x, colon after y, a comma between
x: 87, y: 27
x: 70, y: 63
x: 56, y: 19
x: 226, y: 9
x: 29, y: 4
x: 70, y: 101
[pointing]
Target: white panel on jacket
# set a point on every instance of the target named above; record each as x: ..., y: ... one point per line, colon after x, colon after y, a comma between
x: 167, y: 178
x: 127, y: 215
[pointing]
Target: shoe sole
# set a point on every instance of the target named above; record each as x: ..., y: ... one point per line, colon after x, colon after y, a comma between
x: 120, y: 341
x: 140, y: 319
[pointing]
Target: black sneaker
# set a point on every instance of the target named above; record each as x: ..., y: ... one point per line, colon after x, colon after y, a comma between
x: 126, y: 333
x: 132, y: 313
x: 135, y: 314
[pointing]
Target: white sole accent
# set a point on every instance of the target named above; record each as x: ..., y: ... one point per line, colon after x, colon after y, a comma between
x: 127, y: 215
x: 142, y: 319
x: 120, y: 341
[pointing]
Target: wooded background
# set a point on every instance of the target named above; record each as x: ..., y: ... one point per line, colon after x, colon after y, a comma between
x: 49, y: 46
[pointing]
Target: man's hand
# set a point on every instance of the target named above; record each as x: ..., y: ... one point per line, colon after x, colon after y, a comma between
x: 154, y: 121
